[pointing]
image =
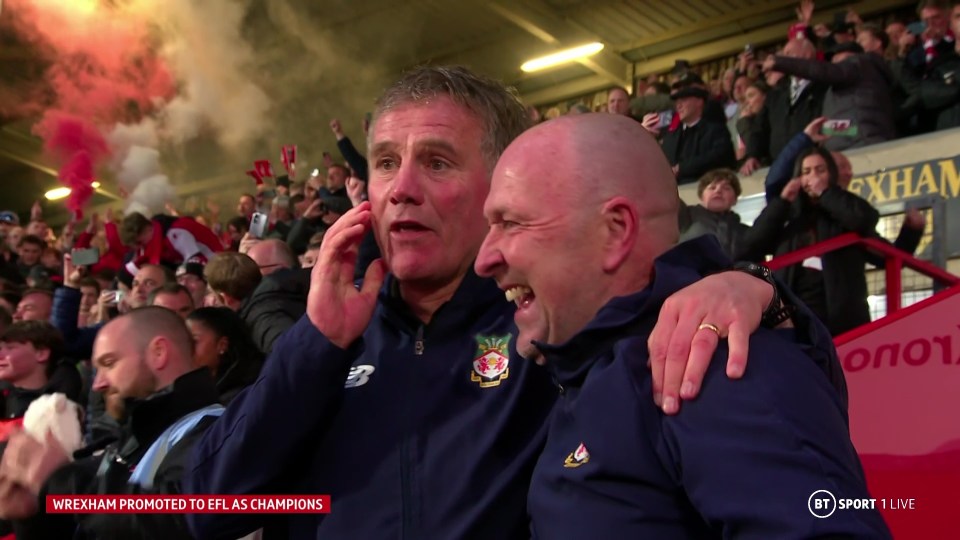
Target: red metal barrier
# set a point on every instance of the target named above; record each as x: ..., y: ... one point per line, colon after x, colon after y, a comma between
x: 895, y: 260
x: 903, y: 376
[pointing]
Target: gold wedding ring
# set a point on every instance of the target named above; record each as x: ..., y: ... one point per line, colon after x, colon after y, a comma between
x: 712, y: 327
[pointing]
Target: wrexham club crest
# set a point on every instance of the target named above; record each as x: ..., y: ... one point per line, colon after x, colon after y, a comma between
x: 492, y: 362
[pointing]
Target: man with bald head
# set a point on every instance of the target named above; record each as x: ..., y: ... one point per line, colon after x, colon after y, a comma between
x: 592, y: 196
x: 271, y: 255
x: 144, y: 360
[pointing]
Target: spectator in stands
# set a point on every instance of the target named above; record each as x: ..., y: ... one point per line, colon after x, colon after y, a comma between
x: 311, y: 190
x: 781, y: 171
x: 429, y: 222
x: 149, y: 278
x: 190, y: 275
x: 873, y: 39
x: 146, y: 357
x: 812, y: 208
x: 734, y: 107
x: 232, y: 277
x: 309, y: 257
x: 859, y: 93
x: 895, y: 31
x: 936, y: 39
x: 35, y: 305
x: 236, y: 228
x: 350, y: 154
x: 614, y: 466
x: 29, y: 251
x: 730, y: 101
x: 336, y: 184
x: 712, y: 108
x: 919, y: 57
x: 174, y: 297
x: 269, y: 305
x: 14, y: 235
x: 698, y: 145
x: 223, y: 345
x: 32, y: 364
x: 8, y: 220
x: 66, y: 305
x: 792, y: 103
x: 753, y: 145
x: 940, y: 91
x: 281, y: 217
x: 718, y: 191
x: 272, y: 255
x: 89, y: 293
x: 618, y: 101
x: 246, y: 206
x: 166, y: 240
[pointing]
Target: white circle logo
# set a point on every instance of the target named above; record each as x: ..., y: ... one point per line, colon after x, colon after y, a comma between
x: 822, y: 504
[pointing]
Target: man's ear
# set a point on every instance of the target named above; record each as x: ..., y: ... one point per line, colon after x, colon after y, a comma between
x: 620, y: 227
x: 43, y: 355
x: 158, y: 352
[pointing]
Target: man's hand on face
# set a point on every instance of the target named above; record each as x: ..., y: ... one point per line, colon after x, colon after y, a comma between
x: 334, y: 305
x: 29, y: 462
x: 682, y: 345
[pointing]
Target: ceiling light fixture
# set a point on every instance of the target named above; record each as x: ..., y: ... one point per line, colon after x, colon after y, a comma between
x: 56, y: 194
x: 561, y: 57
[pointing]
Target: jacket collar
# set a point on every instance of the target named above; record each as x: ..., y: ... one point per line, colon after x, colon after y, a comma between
x: 150, y: 416
x: 629, y: 315
x: 474, y: 296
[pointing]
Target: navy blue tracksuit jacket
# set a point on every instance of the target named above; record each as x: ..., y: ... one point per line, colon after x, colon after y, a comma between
x: 434, y: 435
x: 740, y: 461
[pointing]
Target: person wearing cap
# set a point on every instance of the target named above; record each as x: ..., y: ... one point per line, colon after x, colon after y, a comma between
x: 698, y: 144
x: 858, y: 103
x: 8, y: 219
x: 190, y: 276
x: 8, y: 255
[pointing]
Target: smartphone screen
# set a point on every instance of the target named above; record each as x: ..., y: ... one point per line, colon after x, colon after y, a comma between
x: 258, y: 225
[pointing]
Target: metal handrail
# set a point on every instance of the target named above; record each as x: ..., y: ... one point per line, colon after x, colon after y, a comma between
x: 895, y: 260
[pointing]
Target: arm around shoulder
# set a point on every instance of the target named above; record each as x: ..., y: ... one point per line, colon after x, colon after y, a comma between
x: 751, y: 452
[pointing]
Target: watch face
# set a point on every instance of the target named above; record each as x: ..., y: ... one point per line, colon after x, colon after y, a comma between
x: 756, y: 270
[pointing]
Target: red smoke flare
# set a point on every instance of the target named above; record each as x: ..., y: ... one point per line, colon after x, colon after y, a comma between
x: 79, y: 147
x: 103, y: 63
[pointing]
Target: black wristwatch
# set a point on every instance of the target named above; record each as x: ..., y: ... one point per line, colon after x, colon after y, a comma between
x: 777, y: 312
